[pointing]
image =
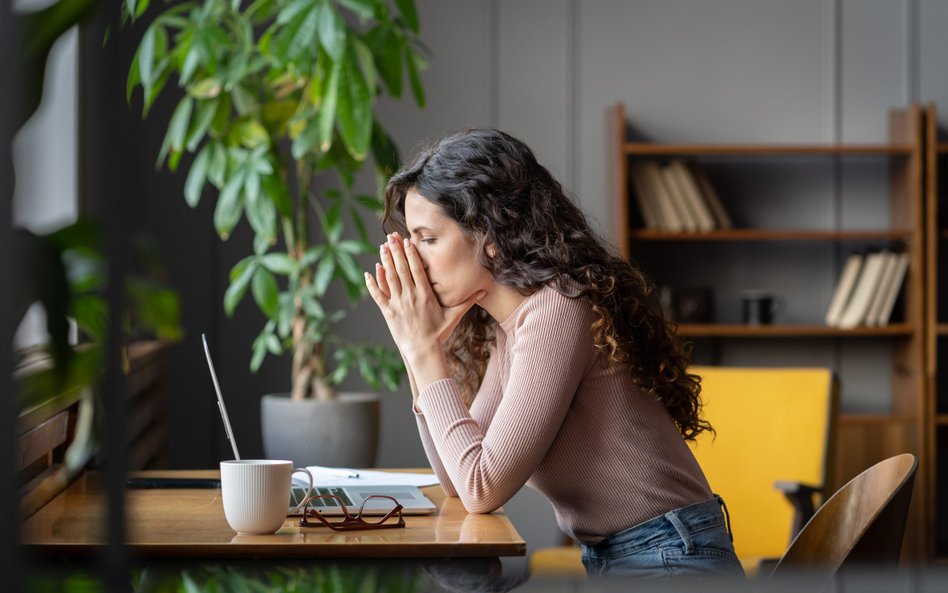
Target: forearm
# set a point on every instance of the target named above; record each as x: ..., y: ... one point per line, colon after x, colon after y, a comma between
x: 433, y: 458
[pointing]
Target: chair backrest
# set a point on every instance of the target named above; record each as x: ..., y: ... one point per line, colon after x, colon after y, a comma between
x: 862, y: 524
x: 772, y: 424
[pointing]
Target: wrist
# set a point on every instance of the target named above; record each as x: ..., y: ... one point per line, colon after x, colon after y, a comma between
x: 428, y: 367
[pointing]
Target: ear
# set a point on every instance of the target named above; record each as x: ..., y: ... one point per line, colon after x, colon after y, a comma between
x: 491, y: 250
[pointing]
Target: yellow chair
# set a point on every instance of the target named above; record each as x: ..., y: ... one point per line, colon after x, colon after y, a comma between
x: 774, y: 442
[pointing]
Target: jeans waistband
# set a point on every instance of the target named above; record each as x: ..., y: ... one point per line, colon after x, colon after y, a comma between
x: 679, y: 523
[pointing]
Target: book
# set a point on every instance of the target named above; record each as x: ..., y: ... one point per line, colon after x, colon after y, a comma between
x: 688, y: 189
x: 669, y: 214
x: 678, y: 200
x: 890, y: 262
x: 856, y: 308
x: 844, y: 288
x: 892, y: 288
x: 721, y: 218
x: 644, y: 198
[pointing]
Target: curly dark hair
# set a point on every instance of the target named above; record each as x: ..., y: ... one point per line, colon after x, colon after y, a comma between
x: 491, y: 184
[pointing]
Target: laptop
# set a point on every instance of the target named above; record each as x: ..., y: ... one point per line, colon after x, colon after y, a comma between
x: 413, y: 501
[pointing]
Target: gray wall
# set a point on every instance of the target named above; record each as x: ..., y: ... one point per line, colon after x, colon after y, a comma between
x: 546, y: 70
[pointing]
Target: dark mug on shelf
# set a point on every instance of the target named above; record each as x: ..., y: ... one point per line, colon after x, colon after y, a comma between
x: 760, y: 307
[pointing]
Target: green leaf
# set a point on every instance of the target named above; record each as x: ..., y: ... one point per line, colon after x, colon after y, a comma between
x: 228, y: 210
x: 327, y: 113
x: 250, y: 133
x: 324, y: 273
x: 151, y: 93
x: 244, y: 101
x: 206, y: 88
x: 259, y: 352
x: 203, y: 117
x: 354, y: 247
x: 273, y: 345
x: 384, y: 152
x: 178, y: 127
x: 146, y: 55
x: 386, y: 48
x: 371, y: 202
x: 222, y: 116
x: 332, y: 224
x: 366, y: 63
x: 414, y: 77
x: 218, y: 165
x: 260, y: 211
x: 332, y: 29
x: 134, y: 77
x: 278, y: 193
x: 279, y: 263
x: 349, y: 267
x: 364, y: 9
x: 409, y: 13
x: 355, y: 110
x: 197, y: 176
x: 285, y: 318
x: 289, y: 12
x: 266, y: 292
x: 305, y: 141
x: 142, y: 7
x: 191, y: 61
x: 312, y: 255
x: 238, y: 287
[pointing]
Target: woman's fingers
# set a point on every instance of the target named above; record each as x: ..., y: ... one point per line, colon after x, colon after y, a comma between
x: 388, y: 266
x: 397, y: 251
x: 374, y: 291
x: 416, y: 266
x: 382, y: 280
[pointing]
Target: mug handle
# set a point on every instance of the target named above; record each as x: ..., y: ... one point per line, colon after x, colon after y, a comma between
x: 309, y: 491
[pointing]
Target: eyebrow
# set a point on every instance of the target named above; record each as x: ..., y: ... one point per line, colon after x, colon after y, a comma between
x: 421, y: 228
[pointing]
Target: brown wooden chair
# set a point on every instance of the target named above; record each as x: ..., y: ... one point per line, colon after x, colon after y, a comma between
x: 862, y: 524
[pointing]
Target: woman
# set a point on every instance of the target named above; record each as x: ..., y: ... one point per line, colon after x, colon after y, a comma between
x: 536, y: 357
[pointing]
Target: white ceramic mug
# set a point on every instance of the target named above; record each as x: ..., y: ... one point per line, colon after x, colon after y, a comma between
x: 256, y: 493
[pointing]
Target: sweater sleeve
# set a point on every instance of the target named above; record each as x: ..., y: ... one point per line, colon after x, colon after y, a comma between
x: 481, y: 407
x: 551, y: 352
x: 432, y: 453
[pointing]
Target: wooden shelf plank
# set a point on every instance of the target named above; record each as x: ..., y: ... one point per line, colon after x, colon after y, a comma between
x: 723, y: 330
x: 771, y: 235
x: 942, y: 329
x: 943, y: 147
x: 652, y: 149
x: 941, y: 420
x: 883, y: 419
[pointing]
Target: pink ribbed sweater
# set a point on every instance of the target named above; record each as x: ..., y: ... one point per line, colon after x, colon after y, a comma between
x: 550, y: 416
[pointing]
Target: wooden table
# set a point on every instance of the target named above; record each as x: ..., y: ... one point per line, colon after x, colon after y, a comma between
x: 183, y: 523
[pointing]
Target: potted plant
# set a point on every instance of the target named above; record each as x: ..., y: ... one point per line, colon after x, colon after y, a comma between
x: 277, y: 95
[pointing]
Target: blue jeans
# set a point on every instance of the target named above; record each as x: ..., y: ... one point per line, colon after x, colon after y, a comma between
x: 693, y: 541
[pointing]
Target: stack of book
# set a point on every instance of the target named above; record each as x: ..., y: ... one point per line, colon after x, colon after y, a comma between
x: 867, y: 289
x: 677, y: 197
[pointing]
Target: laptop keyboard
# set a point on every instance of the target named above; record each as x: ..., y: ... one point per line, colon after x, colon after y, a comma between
x: 299, y: 492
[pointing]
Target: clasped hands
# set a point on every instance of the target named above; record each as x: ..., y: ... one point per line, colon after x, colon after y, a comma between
x: 401, y: 289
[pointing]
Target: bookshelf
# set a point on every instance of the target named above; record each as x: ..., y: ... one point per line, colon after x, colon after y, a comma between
x: 936, y: 322
x: 862, y: 438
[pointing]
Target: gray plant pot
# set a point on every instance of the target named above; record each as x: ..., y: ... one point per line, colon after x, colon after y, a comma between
x: 343, y: 432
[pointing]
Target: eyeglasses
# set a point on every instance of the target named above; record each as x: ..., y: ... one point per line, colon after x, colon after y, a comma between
x: 356, y: 521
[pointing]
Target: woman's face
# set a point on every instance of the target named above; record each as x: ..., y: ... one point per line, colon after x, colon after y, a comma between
x: 448, y: 254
